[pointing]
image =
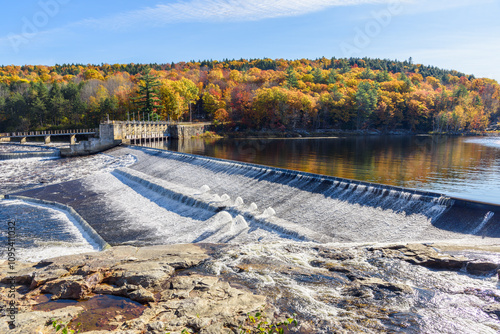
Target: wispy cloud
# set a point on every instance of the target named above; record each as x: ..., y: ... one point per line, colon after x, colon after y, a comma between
x: 221, y: 11
x: 185, y: 11
x: 431, y: 6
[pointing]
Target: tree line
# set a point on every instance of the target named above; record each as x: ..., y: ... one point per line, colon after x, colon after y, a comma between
x: 257, y: 94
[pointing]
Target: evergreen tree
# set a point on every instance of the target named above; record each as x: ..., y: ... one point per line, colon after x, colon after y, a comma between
x: 148, y: 93
x: 366, y: 101
x: 332, y: 77
x: 367, y: 74
x: 291, y: 78
x: 318, y: 76
x: 383, y: 76
x: 56, y: 105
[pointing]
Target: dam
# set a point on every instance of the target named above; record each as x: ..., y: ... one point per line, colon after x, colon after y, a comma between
x: 169, y: 197
x: 332, y: 250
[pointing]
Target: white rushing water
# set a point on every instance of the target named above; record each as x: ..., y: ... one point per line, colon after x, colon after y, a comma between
x: 169, y: 213
x: 436, y: 301
x: 20, y: 174
x: 278, y: 225
x: 42, y: 232
x: 340, y: 211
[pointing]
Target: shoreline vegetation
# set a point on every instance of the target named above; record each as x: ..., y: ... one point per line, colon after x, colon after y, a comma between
x: 350, y: 94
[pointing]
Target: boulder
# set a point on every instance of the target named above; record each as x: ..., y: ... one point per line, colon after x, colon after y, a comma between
x: 141, y: 295
x: 481, y: 268
x: 493, y: 309
x: 425, y: 256
x: 70, y: 287
x: 377, y: 283
x: 41, y: 277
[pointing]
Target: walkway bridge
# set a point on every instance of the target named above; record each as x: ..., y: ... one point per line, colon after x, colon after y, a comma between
x: 23, y: 136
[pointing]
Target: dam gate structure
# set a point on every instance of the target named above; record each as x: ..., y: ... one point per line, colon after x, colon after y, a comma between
x: 135, y: 132
x: 113, y: 133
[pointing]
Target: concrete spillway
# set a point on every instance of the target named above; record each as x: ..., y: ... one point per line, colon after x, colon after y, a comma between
x: 159, y: 197
x: 169, y: 197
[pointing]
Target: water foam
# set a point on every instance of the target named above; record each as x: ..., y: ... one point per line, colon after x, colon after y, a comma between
x: 43, y: 232
x: 485, y: 221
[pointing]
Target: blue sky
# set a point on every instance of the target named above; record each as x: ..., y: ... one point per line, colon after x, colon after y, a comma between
x: 452, y: 34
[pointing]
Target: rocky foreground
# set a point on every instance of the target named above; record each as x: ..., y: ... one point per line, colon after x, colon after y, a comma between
x: 163, y: 289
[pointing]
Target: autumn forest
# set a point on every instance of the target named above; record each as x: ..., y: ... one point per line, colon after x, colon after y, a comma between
x: 257, y: 94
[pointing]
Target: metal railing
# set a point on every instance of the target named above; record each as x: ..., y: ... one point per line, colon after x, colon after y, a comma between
x: 50, y: 133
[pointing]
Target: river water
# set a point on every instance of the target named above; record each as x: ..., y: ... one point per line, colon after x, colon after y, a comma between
x: 43, y: 231
x: 463, y: 167
x: 273, y: 222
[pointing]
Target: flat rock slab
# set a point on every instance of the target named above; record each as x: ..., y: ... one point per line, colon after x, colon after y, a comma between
x: 172, y: 298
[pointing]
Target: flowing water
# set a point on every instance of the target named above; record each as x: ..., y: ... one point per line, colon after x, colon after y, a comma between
x: 276, y: 222
x: 465, y: 167
x: 43, y: 231
x: 419, y: 301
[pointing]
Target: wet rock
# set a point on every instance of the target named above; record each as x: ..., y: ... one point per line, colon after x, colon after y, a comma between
x: 425, y: 256
x: 335, y: 254
x: 493, y: 309
x: 106, y: 289
x: 377, y: 283
x: 70, y: 287
x: 481, y: 268
x: 331, y: 266
x: 360, y: 292
x: 41, y: 277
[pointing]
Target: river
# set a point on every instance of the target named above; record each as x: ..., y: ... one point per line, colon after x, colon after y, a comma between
x: 314, y: 247
x: 463, y: 167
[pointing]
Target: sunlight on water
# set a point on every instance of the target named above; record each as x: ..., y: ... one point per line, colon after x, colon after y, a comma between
x: 462, y: 167
x: 20, y: 174
x: 491, y: 142
x: 432, y: 301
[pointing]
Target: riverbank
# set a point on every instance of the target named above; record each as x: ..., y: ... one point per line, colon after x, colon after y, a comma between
x: 211, y: 288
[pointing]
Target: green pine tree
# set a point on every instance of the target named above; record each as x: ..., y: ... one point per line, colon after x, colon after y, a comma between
x: 366, y: 101
x: 332, y: 77
x: 367, y: 74
x: 291, y: 78
x: 318, y: 76
x: 148, y: 93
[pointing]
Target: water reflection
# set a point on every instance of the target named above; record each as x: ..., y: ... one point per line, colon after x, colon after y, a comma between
x: 456, y: 166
